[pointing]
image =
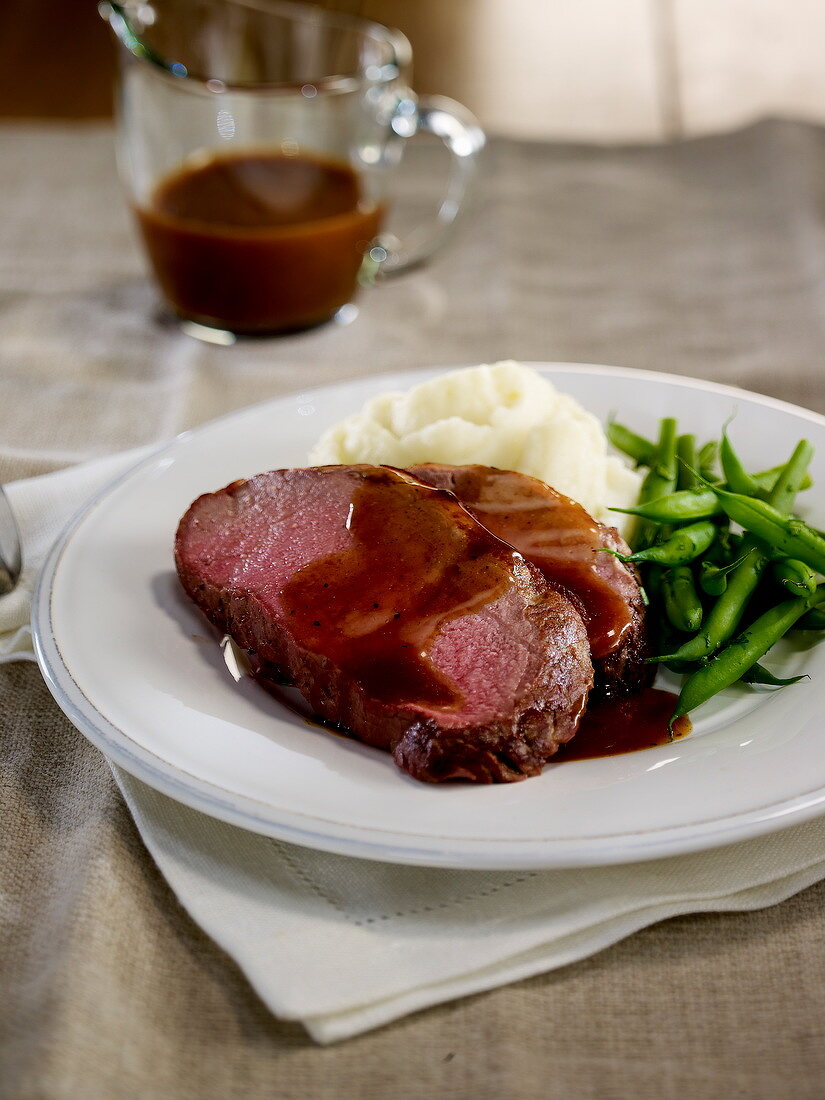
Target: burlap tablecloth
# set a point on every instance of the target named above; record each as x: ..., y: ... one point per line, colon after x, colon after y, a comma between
x: 705, y: 259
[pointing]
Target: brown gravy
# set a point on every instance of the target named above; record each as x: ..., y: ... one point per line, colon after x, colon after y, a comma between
x: 557, y: 535
x: 416, y: 559
x: 258, y: 241
x: 625, y: 725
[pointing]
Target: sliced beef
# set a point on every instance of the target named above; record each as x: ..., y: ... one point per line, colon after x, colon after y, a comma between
x: 395, y: 613
x: 558, y: 536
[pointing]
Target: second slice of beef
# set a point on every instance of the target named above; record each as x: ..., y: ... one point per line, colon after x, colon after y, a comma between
x: 561, y: 539
x: 395, y: 613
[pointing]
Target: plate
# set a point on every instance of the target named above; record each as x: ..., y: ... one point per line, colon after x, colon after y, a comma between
x: 140, y: 673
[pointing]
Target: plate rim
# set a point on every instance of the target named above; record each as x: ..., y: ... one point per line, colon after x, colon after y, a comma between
x: 359, y: 841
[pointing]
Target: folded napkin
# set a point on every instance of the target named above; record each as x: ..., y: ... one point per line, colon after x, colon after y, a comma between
x: 344, y: 945
x: 42, y: 507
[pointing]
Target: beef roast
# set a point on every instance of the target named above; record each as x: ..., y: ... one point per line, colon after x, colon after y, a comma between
x: 395, y: 613
x: 558, y: 536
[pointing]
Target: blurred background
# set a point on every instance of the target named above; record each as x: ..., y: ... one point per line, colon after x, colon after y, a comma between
x: 593, y: 70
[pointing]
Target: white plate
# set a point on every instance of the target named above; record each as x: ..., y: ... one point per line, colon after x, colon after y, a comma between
x: 138, y: 671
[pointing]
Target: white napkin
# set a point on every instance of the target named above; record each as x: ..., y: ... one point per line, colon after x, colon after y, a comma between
x: 42, y: 507
x: 344, y: 945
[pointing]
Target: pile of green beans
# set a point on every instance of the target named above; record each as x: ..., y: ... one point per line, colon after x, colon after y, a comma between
x: 727, y: 567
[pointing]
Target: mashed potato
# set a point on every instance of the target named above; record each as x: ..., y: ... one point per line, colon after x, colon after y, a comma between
x: 504, y: 415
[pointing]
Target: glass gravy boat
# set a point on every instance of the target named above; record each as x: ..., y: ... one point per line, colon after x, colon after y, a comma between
x: 259, y: 142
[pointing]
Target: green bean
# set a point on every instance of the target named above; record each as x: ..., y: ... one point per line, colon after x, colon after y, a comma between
x: 663, y: 633
x: 706, y: 459
x: 795, y: 576
x: 666, y: 635
x: 737, y: 477
x: 766, y: 479
x: 685, y: 544
x: 659, y: 481
x: 731, y: 663
x: 679, y: 507
x: 641, y: 450
x: 791, y: 477
x: 724, y: 616
x: 652, y: 585
x: 681, y: 668
x: 686, y: 462
x: 758, y: 674
x: 778, y: 529
x: 713, y: 578
x: 682, y: 604
x: 727, y: 548
x: 726, y: 613
x: 661, y: 477
x: 812, y: 620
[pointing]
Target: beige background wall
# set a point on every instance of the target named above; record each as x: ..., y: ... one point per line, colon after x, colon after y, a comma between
x: 596, y: 70
x: 617, y: 70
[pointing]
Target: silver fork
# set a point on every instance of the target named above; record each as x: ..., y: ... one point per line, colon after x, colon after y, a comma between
x: 11, y: 554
